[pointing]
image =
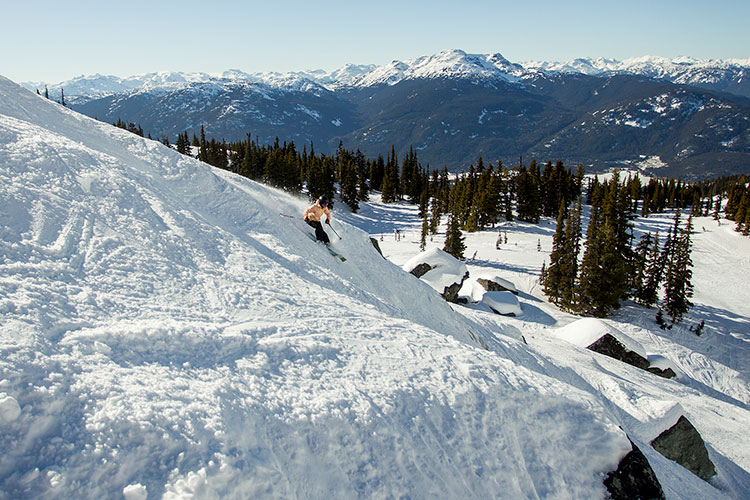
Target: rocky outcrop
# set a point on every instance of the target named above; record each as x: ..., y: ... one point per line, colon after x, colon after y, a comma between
x: 634, y: 478
x: 421, y: 269
x: 450, y: 293
x: 666, y: 373
x: 497, y: 285
x: 683, y: 444
x: 377, y: 246
x: 610, y: 346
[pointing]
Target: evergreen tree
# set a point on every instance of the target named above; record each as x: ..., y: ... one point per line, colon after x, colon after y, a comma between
x: 349, y: 185
x: 528, y: 199
x: 377, y: 171
x: 423, y: 235
x: 569, y: 262
x: 717, y: 208
x: 653, y: 275
x: 391, y: 185
x: 603, y: 276
x: 678, y: 288
x: 203, y: 148
x: 454, y: 241
x: 435, y: 216
x: 553, y: 281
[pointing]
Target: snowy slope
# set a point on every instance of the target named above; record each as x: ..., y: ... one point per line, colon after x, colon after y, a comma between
x: 165, y: 331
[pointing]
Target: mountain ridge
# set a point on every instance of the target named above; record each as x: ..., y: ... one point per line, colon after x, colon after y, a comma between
x: 453, y: 107
x: 453, y: 63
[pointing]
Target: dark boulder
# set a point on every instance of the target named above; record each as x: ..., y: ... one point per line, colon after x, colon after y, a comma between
x: 450, y: 293
x: 634, y: 478
x: 610, y: 346
x: 667, y: 373
x: 683, y: 444
x: 497, y: 285
x: 421, y: 269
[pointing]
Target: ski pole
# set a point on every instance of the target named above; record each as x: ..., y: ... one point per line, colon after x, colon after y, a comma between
x: 334, y: 231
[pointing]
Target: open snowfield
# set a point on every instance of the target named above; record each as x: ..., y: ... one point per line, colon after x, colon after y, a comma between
x: 165, y: 333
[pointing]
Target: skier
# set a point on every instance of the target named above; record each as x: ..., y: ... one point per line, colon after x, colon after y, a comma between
x: 313, y: 215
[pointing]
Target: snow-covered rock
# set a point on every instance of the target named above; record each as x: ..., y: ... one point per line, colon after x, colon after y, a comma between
x: 586, y: 331
x: 598, y: 336
x: 663, y: 366
x: 442, y: 271
x: 504, y: 303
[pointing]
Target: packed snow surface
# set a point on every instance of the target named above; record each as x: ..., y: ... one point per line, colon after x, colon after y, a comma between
x: 166, y: 333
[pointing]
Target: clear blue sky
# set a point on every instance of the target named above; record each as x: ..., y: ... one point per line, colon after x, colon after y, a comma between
x: 55, y: 41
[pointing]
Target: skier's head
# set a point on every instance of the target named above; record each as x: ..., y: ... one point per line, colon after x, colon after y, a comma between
x: 322, y: 201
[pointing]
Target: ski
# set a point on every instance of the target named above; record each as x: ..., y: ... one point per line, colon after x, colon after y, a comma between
x: 330, y: 250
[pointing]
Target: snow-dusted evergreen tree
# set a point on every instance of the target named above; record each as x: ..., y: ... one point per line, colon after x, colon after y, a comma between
x: 642, y: 266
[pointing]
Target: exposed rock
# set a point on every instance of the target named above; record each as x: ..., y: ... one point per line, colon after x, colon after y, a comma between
x: 377, y: 246
x: 610, y: 346
x: 421, y: 269
x: 683, y: 444
x: 450, y: 293
x: 668, y: 373
x: 497, y: 285
x: 634, y: 478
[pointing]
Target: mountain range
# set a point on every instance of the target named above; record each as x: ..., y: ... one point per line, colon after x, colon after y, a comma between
x: 678, y: 117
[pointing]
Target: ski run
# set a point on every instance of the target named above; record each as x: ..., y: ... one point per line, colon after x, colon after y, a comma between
x: 165, y: 333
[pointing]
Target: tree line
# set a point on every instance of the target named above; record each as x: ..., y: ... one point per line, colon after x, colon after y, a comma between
x: 589, y: 273
x: 612, y: 268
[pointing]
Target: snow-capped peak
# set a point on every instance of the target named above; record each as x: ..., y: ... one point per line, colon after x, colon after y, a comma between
x: 447, y: 64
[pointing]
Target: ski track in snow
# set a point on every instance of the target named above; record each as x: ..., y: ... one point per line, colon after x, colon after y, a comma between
x: 165, y: 332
